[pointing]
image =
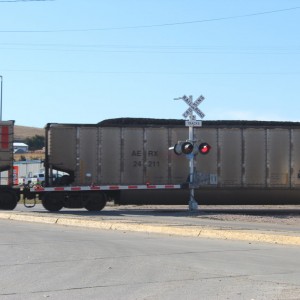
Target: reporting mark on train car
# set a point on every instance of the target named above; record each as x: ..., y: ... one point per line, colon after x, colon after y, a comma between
x: 150, y: 153
x: 136, y: 153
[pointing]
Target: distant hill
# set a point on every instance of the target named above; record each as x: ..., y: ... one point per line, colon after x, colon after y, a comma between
x: 23, y: 132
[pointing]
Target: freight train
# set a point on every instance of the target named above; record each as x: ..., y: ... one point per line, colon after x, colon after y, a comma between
x: 128, y: 160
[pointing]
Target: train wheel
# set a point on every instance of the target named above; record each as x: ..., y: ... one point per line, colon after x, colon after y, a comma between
x: 53, y: 201
x: 9, y: 200
x: 96, y: 201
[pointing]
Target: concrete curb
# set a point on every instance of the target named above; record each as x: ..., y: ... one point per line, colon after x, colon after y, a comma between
x: 190, y: 231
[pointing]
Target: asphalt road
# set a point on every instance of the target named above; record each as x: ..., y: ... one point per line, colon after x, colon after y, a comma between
x: 269, y: 224
x: 41, y: 261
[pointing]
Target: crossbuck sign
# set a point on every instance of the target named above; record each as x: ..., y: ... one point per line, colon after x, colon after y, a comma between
x: 193, y: 106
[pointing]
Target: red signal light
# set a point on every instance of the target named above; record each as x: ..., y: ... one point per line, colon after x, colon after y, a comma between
x: 204, y: 148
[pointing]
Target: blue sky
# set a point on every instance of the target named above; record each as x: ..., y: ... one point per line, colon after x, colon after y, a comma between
x: 83, y: 61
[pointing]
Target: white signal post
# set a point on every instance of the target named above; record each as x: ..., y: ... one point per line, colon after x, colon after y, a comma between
x: 191, y: 123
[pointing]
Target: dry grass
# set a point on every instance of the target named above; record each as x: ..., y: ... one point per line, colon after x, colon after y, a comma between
x: 29, y: 156
x: 23, y: 132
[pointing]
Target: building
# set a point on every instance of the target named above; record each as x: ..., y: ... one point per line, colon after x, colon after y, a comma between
x: 22, y: 170
x: 20, y: 148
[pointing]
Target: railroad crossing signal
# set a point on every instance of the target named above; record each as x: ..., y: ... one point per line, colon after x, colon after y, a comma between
x: 193, y: 106
x: 189, y: 148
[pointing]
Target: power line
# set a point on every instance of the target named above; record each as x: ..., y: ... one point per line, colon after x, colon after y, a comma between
x: 209, y: 52
x: 149, y: 26
x: 153, y: 72
x: 155, y: 49
x: 153, y: 46
x: 11, y: 1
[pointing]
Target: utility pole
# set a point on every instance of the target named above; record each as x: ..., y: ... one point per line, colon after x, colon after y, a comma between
x: 1, y: 109
x: 1, y: 89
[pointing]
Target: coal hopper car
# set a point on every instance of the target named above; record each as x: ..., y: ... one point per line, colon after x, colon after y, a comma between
x: 128, y: 160
x: 8, y: 196
x: 248, y: 163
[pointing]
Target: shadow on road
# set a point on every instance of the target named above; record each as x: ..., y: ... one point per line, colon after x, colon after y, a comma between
x: 115, y: 211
